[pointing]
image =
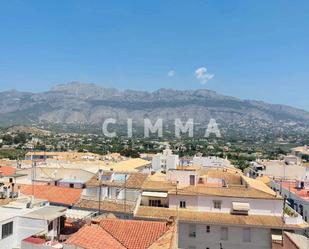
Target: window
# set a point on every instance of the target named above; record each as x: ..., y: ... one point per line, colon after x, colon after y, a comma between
x: 182, y: 204
x: 207, y: 229
x: 192, y: 179
x: 50, y: 226
x: 155, y: 203
x: 192, y: 230
x: 247, y: 235
x: 224, y: 233
x: 7, y: 229
x: 71, y: 185
x: 217, y: 205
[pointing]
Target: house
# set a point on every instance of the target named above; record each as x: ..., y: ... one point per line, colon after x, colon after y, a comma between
x: 111, y: 191
x: 296, y: 193
x: 55, y: 176
x: 125, y: 234
x: 27, y: 217
x: 220, y: 208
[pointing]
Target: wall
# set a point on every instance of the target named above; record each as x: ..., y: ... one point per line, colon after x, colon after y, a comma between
x: 287, y: 171
x: 8, y: 242
x: 145, y: 200
x: 260, y: 238
x: 205, y: 203
x: 182, y: 176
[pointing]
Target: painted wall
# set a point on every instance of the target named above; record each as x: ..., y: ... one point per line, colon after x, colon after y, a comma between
x: 205, y: 203
x: 260, y: 238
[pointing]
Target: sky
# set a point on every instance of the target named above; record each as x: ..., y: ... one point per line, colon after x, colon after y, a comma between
x: 247, y: 49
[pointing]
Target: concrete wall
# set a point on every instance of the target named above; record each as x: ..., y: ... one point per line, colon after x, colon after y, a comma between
x: 260, y: 238
x: 110, y: 192
x: 205, y: 203
x: 182, y: 176
x: 287, y: 171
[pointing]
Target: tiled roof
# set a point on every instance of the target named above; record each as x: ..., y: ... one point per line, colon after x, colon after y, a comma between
x: 266, y: 221
x: 107, y: 206
x: 167, y: 240
x: 7, y: 170
x: 34, y: 240
x: 237, y: 192
x: 231, y: 176
x: 291, y: 186
x: 94, y: 237
x: 264, y: 179
x: 259, y: 185
x: 134, y: 181
x: 130, y: 165
x: 54, y: 194
x: 124, y: 234
x: 158, y: 186
x: 134, y: 234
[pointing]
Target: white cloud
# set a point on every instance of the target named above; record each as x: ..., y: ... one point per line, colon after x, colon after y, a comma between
x: 171, y: 73
x: 202, y: 75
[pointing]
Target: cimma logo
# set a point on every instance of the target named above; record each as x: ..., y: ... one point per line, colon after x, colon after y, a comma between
x: 156, y: 127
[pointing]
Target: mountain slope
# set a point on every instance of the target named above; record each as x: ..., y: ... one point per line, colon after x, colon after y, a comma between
x: 89, y: 104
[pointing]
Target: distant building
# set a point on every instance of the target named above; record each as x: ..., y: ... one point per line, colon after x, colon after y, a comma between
x: 300, y: 151
x: 211, y: 161
x: 290, y: 167
x: 165, y: 161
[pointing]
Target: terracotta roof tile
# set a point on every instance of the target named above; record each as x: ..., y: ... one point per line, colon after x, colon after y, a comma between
x: 135, y: 234
x: 236, y: 191
x: 269, y: 221
x: 7, y: 170
x: 107, y: 206
x: 134, y: 181
x: 94, y: 237
x: 125, y: 234
x: 54, y: 194
x: 158, y: 186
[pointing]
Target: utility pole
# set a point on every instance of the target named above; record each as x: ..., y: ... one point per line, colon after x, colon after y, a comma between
x: 125, y: 193
x: 100, y: 190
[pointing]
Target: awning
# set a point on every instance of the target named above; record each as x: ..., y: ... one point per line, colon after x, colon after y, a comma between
x: 241, y: 206
x: 155, y: 194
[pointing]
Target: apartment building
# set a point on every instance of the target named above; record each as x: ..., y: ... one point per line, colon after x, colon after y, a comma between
x: 165, y: 161
x: 26, y: 217
x: 219, y: 208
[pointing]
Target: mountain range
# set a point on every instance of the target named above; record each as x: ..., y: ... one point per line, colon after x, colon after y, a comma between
x: 90, y: 104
